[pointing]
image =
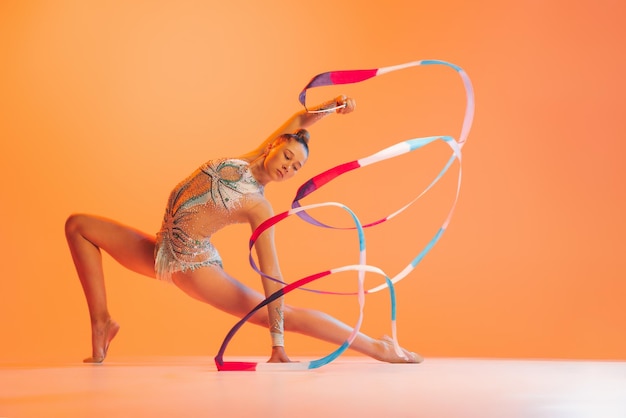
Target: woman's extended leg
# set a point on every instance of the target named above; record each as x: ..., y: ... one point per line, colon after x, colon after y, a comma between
x: 86, y: 236
x: 214, y: 286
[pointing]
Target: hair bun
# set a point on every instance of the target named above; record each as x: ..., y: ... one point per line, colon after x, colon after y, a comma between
x: 303, y: 135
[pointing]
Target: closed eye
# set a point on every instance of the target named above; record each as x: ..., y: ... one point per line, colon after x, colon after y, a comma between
x: 289, y: 156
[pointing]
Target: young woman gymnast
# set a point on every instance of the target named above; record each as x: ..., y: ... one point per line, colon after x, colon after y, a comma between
x: 221, y: 192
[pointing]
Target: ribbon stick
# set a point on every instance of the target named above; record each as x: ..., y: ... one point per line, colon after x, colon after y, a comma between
x: 318, y: 181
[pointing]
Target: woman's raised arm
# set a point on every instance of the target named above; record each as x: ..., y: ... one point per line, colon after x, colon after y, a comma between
x: 302, y: 120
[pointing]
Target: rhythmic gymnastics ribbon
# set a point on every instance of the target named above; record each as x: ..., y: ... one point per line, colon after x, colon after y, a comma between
x: 361, y: 268
x: 349, y: 77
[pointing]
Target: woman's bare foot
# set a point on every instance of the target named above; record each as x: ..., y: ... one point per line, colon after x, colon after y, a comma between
x: 101, y: 336
x: 389, y: 355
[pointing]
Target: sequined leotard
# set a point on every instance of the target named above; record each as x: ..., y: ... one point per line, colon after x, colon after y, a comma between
x: 206, y: 201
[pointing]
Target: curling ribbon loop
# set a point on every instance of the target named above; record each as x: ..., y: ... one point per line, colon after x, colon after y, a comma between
x: 349, y: 77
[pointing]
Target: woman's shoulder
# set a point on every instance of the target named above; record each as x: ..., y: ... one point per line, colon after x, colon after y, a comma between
x: 235, y: 173
x: 228, y: 161
x: 226, y: 164
x: 258, y: 210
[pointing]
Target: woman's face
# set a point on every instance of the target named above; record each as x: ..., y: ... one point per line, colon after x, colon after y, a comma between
x: 284, y: 159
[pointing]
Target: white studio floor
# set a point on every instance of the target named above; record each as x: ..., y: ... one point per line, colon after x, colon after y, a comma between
x: 348, y: 387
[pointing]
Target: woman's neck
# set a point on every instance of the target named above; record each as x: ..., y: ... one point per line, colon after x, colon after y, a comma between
x: 257, y: 168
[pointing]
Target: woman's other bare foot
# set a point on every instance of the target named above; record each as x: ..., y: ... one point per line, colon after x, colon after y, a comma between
x: 389, y: 355
x: 101, y: 337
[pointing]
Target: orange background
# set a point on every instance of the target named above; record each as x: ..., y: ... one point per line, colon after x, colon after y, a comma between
x: 105, y: 106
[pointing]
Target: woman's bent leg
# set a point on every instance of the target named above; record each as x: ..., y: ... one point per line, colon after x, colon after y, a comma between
x: 86, y: 236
